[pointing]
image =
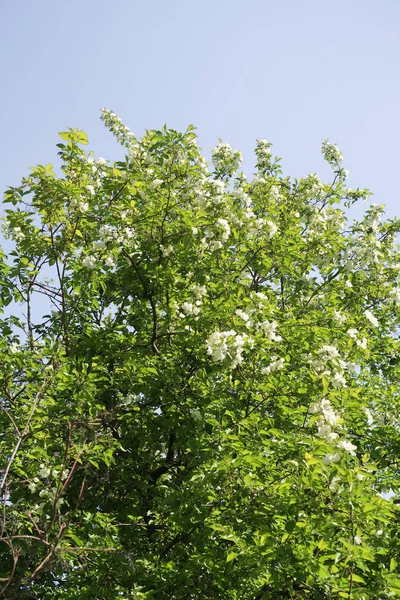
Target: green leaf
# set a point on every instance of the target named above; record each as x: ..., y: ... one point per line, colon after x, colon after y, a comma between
x: 231, y: 556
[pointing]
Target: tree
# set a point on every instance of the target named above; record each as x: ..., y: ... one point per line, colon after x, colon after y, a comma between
x: 210, y: 408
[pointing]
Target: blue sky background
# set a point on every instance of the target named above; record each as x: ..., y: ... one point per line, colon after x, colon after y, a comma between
x: 292, y: 71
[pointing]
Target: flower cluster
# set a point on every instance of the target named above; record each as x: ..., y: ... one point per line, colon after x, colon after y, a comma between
x: 339, y: 317
x: 227, y: 344
x: 80, y: 205
x: 193, y: 307
x: 8, y: 230
x: 275, y: 365
x: 269, y: 330
x: 326, y: 421
x: 373, y: 320
x: 226, y: 230
x: 226, y: 160
x: 245, y: 316
x: 313, y: 186
x: 123, y: 134
x: 89, y: 262
x: 331, y: 153
x: 263, y: 153
x: 361, y: 343
x: 335, y: 371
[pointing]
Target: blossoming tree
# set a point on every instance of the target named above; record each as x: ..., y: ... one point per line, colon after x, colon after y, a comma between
x: 210, y: 406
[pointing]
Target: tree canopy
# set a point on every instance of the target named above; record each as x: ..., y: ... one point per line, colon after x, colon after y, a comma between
x: 199, y: 379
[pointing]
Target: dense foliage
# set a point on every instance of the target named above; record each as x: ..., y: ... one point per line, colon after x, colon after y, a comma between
x: 210, y: 407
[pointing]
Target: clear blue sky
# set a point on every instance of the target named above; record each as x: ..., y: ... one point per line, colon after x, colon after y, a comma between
x: 293, y: 71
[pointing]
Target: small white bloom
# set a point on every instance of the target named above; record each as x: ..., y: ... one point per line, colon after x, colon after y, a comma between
x: 269, y: 328
x: 339, y: 318
x: 373, y: 320
x: 44, y: 471
x: 357, y: 540
x: 166, y: 250
x: 352, y: 333
x: 362, y: 343
x: 338, y: 380
x: 196, y: 415
x: 330, y: 459
x: 109, y: 262
x: 89, y: 262
x: 368, y: 413
x: 243, y: 315
x: 348, y: 446
x: 101, y: 161
x: 226, y: 230
x: 272, y: 228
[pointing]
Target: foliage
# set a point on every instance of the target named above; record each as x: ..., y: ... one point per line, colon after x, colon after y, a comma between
x: 210, y: 408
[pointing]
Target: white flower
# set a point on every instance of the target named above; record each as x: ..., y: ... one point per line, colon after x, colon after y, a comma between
x: 348, y: 284
x: 338, y: 380
x: 348, y: 446
x: 368, y: 413
x: 395, y: 294
x: 195, y: 231
x: 339, y: 318
x: 362, y: 343
x: 272, y: 228
x: 269, y: 328
x: 14, y: 348
x: 101, y: 161
x: 198, y: 290
x: 334, y: 484
x: 379, y: 532
x: 44, y: 471
x: 190, y: 309
x: 357, y: 540
x: 325, y: 432
x: 331, y: 153
x: 275, y: 365
x: 89, y: 262
x: 17, y: 233
x: 373, y: 320
x: 223, y: 344
x: 91, y: 190
x: 330, y: 352
x: 352, y: 333
x: 243, y: 315
x: 331, y: 458
x: 215, y: 245
x: 225, y: 159
x: 274, y: 192
x: 314, y: 408
x: 166, y: 250
x: 155, y: 183
x: 226, y: 230
x: 109, y: 262
x: 196, y: 415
